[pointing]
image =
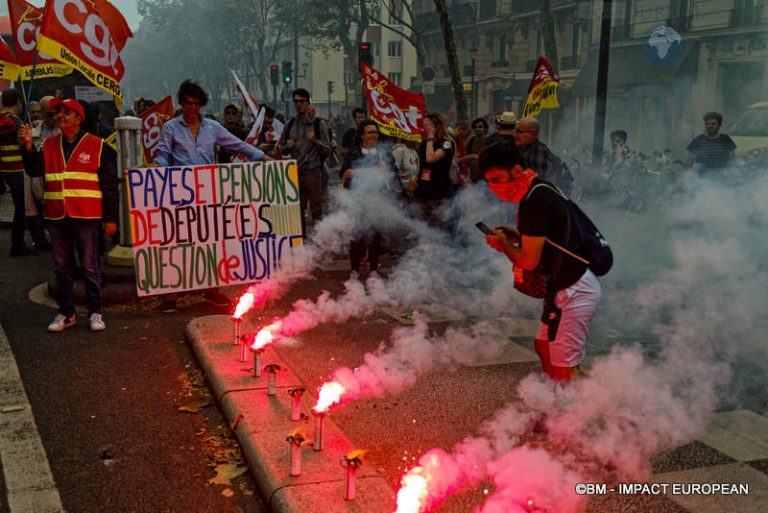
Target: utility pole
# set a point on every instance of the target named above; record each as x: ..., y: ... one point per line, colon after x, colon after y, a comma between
x: 601, y: 89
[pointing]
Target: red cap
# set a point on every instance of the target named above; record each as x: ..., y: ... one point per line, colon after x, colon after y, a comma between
x: 69, y: 103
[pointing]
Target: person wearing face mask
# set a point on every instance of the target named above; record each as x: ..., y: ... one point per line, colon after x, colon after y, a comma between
x: 543, y: 227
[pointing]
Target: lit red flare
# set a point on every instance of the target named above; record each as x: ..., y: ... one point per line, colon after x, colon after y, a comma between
x: 265, y: 336
x: 244, y: 304
x: 410, y: 498
x: 330, y: 394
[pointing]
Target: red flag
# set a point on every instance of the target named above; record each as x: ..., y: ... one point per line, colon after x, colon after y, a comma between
x: 542, y: 93
x: 152, y: 121
x: 398, y: 112
x: 25, y: 24
x: 9, y: 70
x: 88, y: 35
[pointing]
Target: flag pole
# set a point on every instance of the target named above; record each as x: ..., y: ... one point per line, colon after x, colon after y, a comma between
x: 28, y: 94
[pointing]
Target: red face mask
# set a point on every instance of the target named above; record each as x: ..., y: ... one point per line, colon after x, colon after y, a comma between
x: 515, y: 189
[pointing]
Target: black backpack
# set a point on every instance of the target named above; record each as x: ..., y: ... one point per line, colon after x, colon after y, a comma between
x: 595, y: 252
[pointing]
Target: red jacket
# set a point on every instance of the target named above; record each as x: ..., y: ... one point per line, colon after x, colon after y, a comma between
x: 72, y: 186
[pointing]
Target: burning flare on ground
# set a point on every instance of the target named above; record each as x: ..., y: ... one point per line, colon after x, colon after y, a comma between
x: 266, y: 336
x: 244, y: 304
x: 410, y: 498
x: 330, y: 394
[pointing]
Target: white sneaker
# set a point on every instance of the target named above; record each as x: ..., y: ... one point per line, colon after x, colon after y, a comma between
x: 97, y: 322
x: 61, y: 322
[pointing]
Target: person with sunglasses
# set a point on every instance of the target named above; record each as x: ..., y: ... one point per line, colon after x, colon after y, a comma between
x: 305, y: 139
x: 190, y: 139
x: 233, y: 121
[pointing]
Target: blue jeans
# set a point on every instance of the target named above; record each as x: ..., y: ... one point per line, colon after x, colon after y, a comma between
x: 67, y: 235
x: 15, y: 182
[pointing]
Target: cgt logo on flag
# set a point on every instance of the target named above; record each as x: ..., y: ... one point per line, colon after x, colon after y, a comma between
x: 88, y: 36
x: 25, y: 23
x: 398, y: 112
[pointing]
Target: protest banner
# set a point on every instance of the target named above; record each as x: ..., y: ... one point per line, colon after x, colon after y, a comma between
x: 152, y: 121
x: 88, y: 36
x: 25, y: 25
x: 398, y: 112
x: 542, y: 93
x: 211, y: 225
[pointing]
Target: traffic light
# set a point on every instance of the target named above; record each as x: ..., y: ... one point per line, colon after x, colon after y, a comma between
x: 330, y: 87
x: 274, y: 75
x: 287, y: 72
x: 364, y: 52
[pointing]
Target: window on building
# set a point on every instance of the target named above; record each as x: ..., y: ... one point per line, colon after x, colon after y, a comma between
x: 681, y: 13
x: 375, y: 14
x: 395, y: 49
x: 395, y: 11
x: 501, y: 50
x: 350, y: 78
x: 536, y: 43
x: 747, y: 12
x: 396, y: 78
x: 487, y: 9
x: 622, y: 20
x: 376, y: 48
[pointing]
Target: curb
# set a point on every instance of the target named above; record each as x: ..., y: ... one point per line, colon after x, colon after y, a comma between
x: 263, y: 422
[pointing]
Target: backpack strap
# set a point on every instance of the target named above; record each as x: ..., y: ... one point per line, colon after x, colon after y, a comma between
x: 568, y: 225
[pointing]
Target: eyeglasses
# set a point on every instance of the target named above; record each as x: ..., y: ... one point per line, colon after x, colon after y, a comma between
x: 371, y: 132
x: 192, y: 103
x: 299, y: 100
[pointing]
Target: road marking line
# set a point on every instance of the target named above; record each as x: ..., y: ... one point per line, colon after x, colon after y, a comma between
x: 28, y: 479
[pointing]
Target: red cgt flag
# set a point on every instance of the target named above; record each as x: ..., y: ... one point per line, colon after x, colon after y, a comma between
x: 25, y: 24
x: 152, y: 121
x: 9, y: 70
x: 88, y: 35
x: 398, y: 112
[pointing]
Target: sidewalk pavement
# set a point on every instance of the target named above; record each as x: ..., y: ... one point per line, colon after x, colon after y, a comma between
x: 733, y: 449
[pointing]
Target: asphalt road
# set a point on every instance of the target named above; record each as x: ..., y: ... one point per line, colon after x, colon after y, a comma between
x: 106, y: 406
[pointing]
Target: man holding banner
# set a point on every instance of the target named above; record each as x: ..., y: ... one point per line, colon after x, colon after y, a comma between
x: 191, y: 139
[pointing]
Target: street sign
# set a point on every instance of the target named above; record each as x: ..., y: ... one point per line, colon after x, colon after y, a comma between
x: 428, y: 87
x: 92, y: 94
x: 287, y: 95
x: 428, y: 73
x: 466, y: 86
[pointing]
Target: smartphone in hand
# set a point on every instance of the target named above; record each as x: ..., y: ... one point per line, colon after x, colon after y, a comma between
x: 484, y: 228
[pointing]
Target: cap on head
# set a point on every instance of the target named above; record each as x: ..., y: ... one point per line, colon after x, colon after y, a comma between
x: 506, y: 119
x: 69, y: 103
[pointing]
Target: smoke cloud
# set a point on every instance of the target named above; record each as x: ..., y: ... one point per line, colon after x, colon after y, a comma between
x: 688, y: 286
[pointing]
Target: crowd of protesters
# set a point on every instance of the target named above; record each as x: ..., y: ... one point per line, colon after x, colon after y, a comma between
x: 40, y: 145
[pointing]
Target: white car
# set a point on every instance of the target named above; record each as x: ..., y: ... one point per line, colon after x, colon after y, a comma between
x: 750, y: 132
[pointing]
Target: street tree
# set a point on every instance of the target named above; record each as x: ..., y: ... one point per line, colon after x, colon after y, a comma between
x: 453, y: 61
